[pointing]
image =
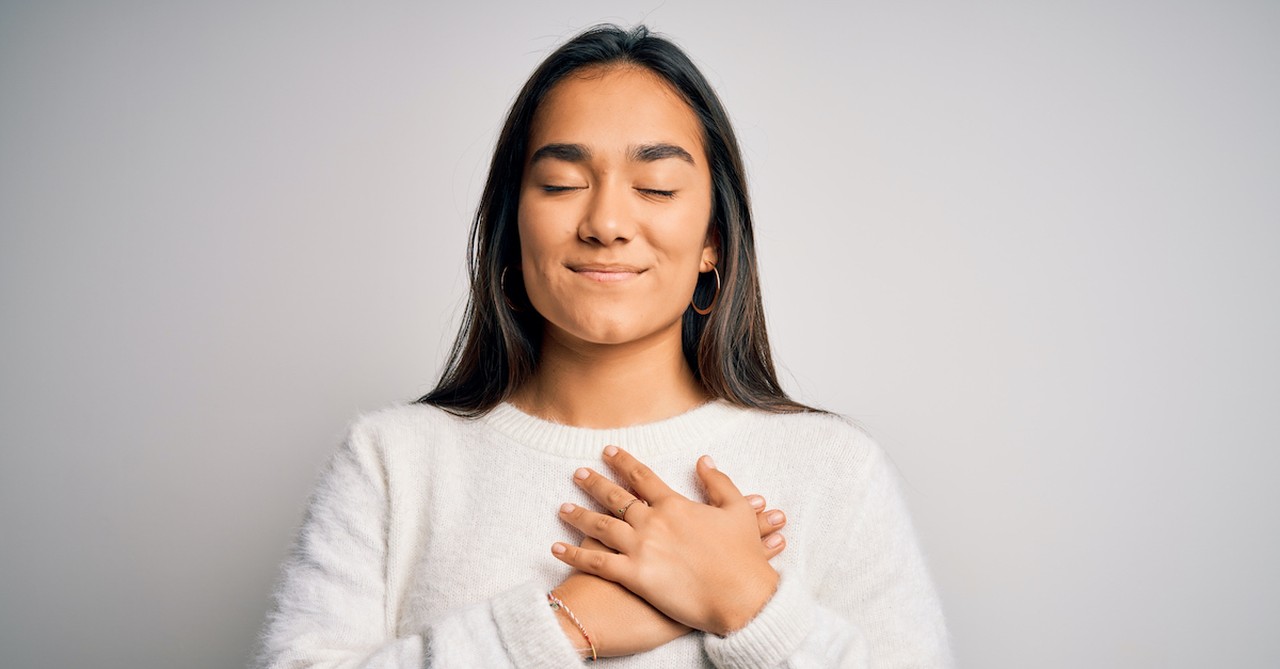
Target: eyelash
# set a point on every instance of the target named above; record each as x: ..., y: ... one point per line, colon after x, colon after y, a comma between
x: 665, y: 194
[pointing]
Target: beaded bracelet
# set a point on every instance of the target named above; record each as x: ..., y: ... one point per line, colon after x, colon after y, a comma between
x: 557, y: 604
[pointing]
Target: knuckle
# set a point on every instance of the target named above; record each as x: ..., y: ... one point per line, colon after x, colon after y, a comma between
x: 645, y: 573
x: 639, y: 473
x: 661, y: 525
x: 597, y: 561
x: 605, y: 523
x: 616, y: 496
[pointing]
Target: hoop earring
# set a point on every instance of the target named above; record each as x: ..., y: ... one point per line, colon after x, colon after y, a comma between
x: 502, y: 285
x: 701, y: 311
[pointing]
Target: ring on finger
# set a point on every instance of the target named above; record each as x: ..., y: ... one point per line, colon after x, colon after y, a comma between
x: 621, y: 512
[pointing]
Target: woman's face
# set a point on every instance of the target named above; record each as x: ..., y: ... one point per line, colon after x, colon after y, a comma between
x: 615, y: 207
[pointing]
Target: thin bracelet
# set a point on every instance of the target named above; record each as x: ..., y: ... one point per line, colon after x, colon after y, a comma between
x: 557, y: 604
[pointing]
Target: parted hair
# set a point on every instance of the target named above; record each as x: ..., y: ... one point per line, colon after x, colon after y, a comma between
x: 498, y: 342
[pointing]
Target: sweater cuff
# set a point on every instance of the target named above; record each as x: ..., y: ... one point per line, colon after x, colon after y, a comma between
x: 529, y: 630
x: 772, y: 636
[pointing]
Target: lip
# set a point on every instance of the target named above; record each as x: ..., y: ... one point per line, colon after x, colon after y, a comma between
x: 605, y: 272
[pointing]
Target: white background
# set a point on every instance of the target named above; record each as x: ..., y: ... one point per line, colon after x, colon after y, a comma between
x: 1030, y: 246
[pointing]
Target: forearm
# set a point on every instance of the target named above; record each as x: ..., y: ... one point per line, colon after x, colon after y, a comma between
x: 619, y: 622
x: 874, y: 605
x: 791, y: 630
x: 514, y: 629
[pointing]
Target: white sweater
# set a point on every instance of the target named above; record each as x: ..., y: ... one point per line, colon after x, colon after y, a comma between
x: 427, y: 544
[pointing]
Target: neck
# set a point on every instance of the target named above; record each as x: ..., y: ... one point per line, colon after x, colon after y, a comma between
x: 610, y: 385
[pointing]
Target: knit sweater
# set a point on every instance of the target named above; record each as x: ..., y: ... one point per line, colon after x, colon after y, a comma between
x: 426, y: 543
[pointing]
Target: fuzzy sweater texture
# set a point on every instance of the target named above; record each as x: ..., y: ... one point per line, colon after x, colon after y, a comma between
x: 426, y: 543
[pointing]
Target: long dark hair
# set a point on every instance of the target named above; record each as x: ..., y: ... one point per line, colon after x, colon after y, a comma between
x: 497, y: 345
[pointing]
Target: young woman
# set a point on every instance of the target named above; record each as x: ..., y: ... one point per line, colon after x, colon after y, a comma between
x: 572, y: 488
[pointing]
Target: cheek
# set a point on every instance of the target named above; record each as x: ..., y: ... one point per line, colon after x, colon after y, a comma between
x: 681, y: 235
x: 681, y: 252
x: 538, y: 235
x: 542, y: 252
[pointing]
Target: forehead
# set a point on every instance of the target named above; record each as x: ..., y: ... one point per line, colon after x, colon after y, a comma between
x: 612, y: 108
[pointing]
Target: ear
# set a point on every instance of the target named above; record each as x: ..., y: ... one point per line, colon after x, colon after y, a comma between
x: 710, y: 249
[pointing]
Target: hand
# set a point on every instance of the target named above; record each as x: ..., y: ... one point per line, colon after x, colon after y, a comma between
x: 620, y: 622
x: 702, y: 565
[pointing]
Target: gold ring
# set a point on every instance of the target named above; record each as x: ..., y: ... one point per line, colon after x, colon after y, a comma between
x: 622, y: 512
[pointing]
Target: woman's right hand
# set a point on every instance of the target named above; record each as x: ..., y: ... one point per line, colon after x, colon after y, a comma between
x: 621, y: 622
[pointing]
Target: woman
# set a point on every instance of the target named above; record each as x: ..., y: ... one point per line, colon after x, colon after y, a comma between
x: 614, y: 316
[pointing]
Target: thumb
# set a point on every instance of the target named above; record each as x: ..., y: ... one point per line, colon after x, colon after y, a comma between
x: 720, y: 488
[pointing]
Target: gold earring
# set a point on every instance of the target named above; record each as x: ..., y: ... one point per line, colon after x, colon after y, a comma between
x: 701, y: 311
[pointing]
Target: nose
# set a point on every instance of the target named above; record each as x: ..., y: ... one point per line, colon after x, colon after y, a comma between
x: 608, y: 219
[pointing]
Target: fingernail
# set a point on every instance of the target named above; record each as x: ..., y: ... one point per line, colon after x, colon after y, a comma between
x: 757, y: 503
x: 582, y: 473
x: 611, y: 451
x: 775, y: 517
x: 772, y: 542
x: 568, y: 508
x: 711, y: 464
x: 559, y: 549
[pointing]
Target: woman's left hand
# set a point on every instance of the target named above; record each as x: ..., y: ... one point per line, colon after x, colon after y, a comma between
x: 701, y: 564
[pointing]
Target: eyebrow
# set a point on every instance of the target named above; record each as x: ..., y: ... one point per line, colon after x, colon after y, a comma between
x: 643, y: 153
x: 570, y: 153
x: 648, y: 153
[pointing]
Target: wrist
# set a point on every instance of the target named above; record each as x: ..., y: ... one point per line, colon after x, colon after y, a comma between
x: 745, y: 608
x: 572, y: 626
x: 572, y: 633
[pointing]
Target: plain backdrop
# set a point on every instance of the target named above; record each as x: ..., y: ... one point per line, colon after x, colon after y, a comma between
x: 1031, y: 246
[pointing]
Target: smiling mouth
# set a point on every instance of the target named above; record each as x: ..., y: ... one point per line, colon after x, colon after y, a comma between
x: 606, y: 273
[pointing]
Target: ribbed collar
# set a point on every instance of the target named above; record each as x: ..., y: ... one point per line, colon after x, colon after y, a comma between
x: 697, y: 426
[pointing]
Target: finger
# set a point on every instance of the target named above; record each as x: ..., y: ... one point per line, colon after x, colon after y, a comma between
x: 615, y: 533
x: 756, y: 502
x: 637, y: 475
x: 612, y: 496
x: 772, y: 545
x: 595, y: 545
x: 611, y: 566
x: 591, y: 543
x: 770, y: 522
x: 721, y: 491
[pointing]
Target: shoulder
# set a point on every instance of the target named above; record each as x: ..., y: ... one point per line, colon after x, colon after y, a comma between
x: 829, y: 453
x: 401, y: 415
x: 387, y: 430
x: 817, y: 435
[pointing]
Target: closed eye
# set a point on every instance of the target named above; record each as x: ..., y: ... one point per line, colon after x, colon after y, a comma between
x: 666, y: 194
x: 557, y: 189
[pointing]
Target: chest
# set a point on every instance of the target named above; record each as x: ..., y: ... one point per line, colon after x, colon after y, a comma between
x: 484, y: 522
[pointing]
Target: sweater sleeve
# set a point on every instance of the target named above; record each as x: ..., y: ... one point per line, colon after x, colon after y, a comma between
x: 875, y: 607
x: 331, y: 605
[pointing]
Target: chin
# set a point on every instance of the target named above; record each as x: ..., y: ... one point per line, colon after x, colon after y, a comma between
x: 608, y: 328
x: 604, y: 333
x: 610, y: 319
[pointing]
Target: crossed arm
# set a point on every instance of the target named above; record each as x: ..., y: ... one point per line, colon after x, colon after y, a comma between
x: 692, y: 565
x: 667, y: 566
